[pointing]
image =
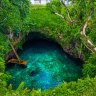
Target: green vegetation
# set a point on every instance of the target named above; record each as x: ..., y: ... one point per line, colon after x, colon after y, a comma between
x: 19, y: 17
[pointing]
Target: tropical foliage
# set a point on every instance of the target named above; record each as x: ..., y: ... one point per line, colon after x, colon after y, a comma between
x: 57, y: 21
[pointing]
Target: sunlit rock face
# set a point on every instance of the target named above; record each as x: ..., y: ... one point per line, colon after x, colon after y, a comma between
x: 48, y: 65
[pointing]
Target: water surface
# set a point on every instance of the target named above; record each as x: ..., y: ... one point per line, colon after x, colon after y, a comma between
x: 48, y: 65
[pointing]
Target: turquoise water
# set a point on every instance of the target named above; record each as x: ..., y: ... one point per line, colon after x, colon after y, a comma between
x: 47, y: 66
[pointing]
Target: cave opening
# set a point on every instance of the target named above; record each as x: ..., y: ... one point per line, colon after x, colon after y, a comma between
x: 48, y: 65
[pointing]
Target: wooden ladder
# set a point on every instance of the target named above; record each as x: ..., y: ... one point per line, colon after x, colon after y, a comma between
x: 18, y: 60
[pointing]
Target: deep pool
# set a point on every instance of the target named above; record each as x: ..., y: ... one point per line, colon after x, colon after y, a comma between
x: 48, y: 65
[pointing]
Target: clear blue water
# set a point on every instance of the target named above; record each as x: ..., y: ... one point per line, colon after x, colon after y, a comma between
x: 48, y: 66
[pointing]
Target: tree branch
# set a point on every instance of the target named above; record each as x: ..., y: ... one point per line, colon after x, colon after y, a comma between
x: 62, y: 17
x: 68, y: 13
x: 86, y: 39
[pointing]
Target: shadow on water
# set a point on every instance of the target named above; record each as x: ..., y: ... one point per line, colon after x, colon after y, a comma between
x: 48, y: 65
